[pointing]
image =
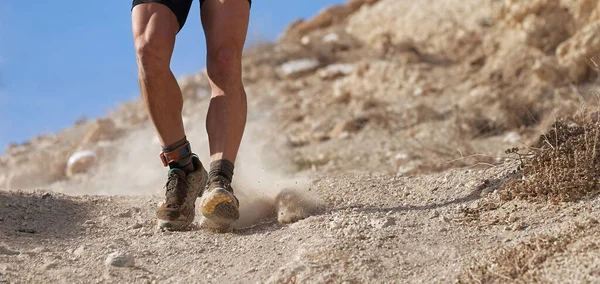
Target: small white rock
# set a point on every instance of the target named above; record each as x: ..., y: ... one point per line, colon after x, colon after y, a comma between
x: 305, y: 40
x: 80, y: 162
x: 135, y: 226
x: 120, y: 259
x: 383, y: 223
x: 335, y: 70
x: 296, y: 68
x: 417, y: 91
x: 79, y: 251
x: 331, y: 37
x: 512, y: 137
x: 402, y: 156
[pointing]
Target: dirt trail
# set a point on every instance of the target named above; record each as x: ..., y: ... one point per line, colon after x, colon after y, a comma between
x: 377, y: 228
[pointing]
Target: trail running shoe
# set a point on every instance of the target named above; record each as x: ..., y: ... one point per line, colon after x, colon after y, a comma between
x: 218, y: 204
x: 178, y: 210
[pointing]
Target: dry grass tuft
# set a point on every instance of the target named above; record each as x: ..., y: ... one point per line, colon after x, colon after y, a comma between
x: 564, y: 166
x: 513, y: 264
x: 524, y: 262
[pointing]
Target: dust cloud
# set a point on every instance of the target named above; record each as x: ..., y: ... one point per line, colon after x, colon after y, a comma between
x: 135, y: 170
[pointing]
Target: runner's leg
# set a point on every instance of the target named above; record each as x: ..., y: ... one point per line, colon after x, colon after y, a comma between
x: 225, y: 25
x: 154, y: 29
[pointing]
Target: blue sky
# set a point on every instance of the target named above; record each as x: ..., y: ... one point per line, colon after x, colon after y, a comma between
x: 61, y: 60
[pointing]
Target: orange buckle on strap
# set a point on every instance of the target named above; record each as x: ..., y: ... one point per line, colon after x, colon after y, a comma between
x: 172, y: 156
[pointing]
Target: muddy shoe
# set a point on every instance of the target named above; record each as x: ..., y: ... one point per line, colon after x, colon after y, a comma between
x: 178, y: 210
x: 218, y: 204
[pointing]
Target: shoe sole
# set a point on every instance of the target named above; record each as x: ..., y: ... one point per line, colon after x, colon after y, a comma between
x: 178, y: 225
x: 220, y: 207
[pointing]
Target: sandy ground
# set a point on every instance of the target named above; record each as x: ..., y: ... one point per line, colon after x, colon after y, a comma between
x: 377, y: 228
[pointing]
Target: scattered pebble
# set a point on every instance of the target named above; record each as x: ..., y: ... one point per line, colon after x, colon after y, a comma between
x: 135, y: 226
x: 305, y: 40
x: 435, y: 214
x: 337, y: 223
x: 7, y: 251
x: 50, y: 265
x: 336, y: 70
x: 79, y: 251
x: 417, y: 91
x: 120, y: 259
x: 383, y: 223
x: 512, y: 137
x: 519, y: 227
x: 331, y: 37
x: 352, y: 231
x: 444, y: 219
x: 146, y: 234
x: 487, y: 191
x: 126, y: 214
x: 297, y: 68
x: 37, y: 250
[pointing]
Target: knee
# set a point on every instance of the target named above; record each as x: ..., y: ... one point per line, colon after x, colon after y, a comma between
x: 224, y: 67
x: 151, y: 55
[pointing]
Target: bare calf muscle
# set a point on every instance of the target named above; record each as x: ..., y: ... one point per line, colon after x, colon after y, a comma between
x: 225, y: 25
x: 226, y: 117
x: 154, y: 30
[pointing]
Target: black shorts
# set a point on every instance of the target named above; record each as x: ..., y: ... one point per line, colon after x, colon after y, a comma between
x: 181, y: 8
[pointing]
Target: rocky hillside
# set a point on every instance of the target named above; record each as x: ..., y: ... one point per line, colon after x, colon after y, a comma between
x: 459, y: 135
x: 447, y: 84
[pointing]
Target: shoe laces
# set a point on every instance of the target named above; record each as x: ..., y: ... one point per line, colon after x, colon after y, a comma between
x: 176, y: 189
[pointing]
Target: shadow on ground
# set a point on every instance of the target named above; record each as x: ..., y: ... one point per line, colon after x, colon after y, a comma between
x: 473, y: 195
x: 31, y: 218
